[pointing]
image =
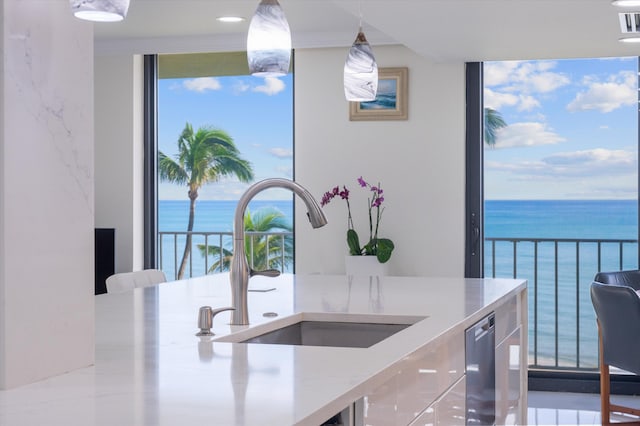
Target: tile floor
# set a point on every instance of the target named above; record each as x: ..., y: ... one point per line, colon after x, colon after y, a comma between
x: 558, y: 408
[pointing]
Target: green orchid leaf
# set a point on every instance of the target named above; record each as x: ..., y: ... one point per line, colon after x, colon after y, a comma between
x: 353, y: 242
x: 385, y: 247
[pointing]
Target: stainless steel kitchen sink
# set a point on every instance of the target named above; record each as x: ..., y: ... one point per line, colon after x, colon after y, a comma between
x: 324, y: 329
x: 329, y: 333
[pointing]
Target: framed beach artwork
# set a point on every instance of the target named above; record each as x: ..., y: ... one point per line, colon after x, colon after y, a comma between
x: 391, y: 99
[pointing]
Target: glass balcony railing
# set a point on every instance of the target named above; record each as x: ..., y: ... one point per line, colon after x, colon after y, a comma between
x: 562, y: 326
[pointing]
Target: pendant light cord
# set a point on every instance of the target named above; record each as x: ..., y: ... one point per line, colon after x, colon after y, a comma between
x: 360, y: 13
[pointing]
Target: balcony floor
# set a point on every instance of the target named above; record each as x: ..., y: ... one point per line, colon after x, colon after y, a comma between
x: 559, y: 408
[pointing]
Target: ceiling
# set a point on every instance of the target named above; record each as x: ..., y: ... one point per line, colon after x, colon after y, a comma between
x: 441, y: 30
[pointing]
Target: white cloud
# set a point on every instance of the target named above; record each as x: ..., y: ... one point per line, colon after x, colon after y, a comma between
x: 606, y: 96
x: 618, y: 159
x: 521, y: 167
x: 271, y: 86
x: 598, y: 162
x: 526, y: 134
x: 515, y: 83
x: 497, y: 100
x: 285, y: 170
x: 499, y: 73
x: 546, y: 82
x: 527, y: 103
x: 281, y: 152
x: 202, y: 84
x: 524, y: 77
x: 240, y: 87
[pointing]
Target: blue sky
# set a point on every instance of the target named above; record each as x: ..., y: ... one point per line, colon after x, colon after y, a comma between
x: 256, y: 112
x: 572, y: 129
x: 571, y: 134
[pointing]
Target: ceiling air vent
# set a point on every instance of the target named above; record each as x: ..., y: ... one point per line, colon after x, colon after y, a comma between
x: 629, y: 22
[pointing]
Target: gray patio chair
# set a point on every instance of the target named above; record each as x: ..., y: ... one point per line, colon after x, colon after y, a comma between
x: 629, y: 278
x: 617, y: 307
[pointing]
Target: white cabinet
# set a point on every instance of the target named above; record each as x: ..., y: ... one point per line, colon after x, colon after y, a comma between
x: 420, y: 380
x: 508, y: 365
x: 448, y: 410
x: 511, y: 361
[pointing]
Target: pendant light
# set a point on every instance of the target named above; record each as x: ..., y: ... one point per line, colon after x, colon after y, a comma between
x: 360, y: 70
x: 269, y: 41
x: 100, y: 10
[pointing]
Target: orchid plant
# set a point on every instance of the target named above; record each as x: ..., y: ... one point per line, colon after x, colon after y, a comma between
x: 379, y: 247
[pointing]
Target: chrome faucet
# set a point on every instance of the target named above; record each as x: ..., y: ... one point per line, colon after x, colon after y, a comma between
x: 240, y: 270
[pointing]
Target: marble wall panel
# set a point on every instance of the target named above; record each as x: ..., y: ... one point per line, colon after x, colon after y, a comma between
x: 47, y: 195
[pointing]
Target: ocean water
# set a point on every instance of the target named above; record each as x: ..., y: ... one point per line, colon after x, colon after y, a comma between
x: 211, y: 216
x: 560, y: 313
x: 608, y: 219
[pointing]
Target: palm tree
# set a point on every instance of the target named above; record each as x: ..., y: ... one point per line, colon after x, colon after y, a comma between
x: 263, y: 252
x: 203, y: 157
x: 493, y: 121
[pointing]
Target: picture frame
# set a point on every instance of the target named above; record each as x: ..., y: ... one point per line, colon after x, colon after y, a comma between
x: 391, y: 101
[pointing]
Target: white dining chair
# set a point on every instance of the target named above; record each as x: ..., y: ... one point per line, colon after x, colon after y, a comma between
x: 126, y: 281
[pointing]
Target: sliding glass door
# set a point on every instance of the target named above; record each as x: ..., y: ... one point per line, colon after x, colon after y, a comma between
x: 558, y: 172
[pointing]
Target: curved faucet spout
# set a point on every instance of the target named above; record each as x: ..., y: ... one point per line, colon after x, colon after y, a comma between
x: 240, y: 270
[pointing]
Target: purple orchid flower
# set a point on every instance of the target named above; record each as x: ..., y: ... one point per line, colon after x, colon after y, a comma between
x: 374, y: 202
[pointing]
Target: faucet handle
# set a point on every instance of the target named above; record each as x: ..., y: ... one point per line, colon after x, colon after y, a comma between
x: 267, y: 273
x: 205, y: 319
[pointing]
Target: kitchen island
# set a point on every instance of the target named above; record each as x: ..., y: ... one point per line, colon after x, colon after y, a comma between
x: 151, y: 369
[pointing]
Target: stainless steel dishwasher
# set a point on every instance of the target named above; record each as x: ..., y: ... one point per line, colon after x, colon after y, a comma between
x: 480, y: 354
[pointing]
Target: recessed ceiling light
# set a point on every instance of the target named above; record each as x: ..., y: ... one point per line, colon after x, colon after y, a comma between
x: 626, y: 3
x: 231, y: 19
x: 635, y: 39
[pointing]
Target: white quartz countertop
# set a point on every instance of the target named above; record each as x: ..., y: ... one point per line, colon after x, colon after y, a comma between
x: 151, y: 368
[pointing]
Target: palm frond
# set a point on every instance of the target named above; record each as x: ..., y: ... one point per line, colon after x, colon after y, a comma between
x: 227, y: 165
x: 493, y: 122
x: 222, y: 257
x: 262, y: 251
x: 170, y: 170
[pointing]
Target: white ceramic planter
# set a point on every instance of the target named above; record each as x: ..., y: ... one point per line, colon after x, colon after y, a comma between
x: 365, y: 265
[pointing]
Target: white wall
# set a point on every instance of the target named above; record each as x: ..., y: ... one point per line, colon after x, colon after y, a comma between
x: 419, y: 163
x: 46, y: 192
x: 119, y: 155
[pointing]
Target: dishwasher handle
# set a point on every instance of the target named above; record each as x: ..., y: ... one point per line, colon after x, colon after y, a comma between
x: 486, y: 325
